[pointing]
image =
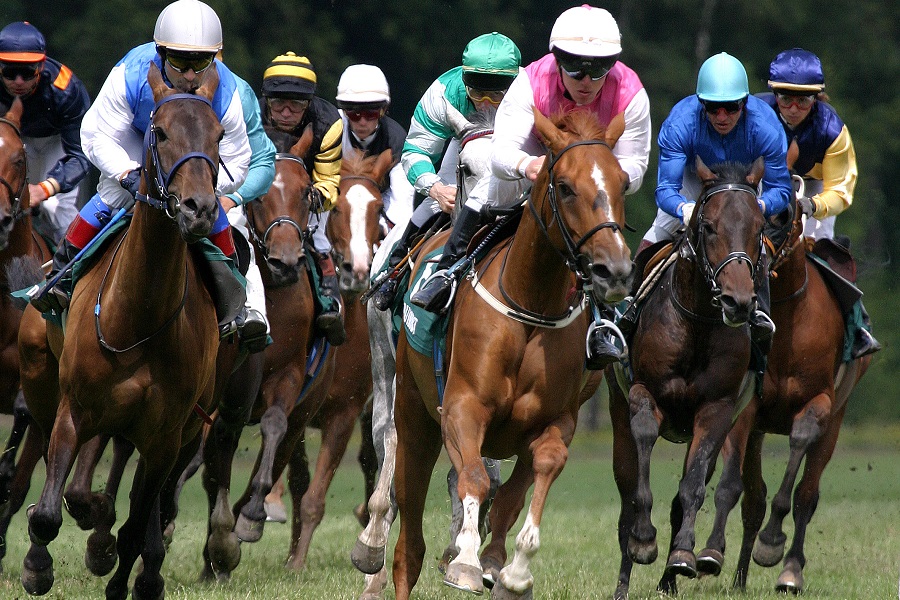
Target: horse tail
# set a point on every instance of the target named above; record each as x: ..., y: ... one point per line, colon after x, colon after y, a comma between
x: 22, y: 272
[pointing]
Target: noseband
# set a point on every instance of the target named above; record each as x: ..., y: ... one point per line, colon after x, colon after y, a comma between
x: 15, y: 197
x: 696, y: 245
x: 578, y: 263
x: 163, y: 199
x: 261, y: 241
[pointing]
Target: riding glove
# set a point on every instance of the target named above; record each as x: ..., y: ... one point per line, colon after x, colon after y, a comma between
x: 807, y: 206
x: 132, y: 182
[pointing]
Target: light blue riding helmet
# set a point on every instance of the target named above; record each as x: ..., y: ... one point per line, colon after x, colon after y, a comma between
x: 722, y: 78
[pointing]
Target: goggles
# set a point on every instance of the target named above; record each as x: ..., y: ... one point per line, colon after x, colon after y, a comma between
x: 484, y: 96
x: 579, y: 67
x: 295, y: 106
x: 730, y: 107
x: 372, y: 114
x: 27, y: 71
x: 788, y: 100
x: 197, y: 63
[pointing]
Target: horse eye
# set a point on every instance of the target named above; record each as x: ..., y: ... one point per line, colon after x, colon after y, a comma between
x: 565, y: 190
x: 160, y: 135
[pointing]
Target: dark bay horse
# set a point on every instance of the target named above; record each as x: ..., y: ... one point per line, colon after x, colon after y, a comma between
x: 139, y: 364
x: 805, y: 395
x: 689, y: 356
x: 293, y: 387
x: 517, y: 378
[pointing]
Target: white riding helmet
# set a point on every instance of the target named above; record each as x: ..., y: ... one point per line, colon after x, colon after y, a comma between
x: 188, y: 26
x: 363, y: 84
x: 586, y: 31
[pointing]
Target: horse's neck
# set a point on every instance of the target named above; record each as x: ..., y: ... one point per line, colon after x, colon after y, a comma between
x: 791, y: 272
x: 690, y: 287
x: 20, y: 242
x: 535, y: 274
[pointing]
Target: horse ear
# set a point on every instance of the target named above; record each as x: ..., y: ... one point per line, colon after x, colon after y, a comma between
x: 159, y: 87
x: 703, y: 172
x: 383, y: 164
x: 210, y: 83
x: 793, y: 154
x: 14, y: 114
x: 303, y: 144
x: 757, y: 170
x: 615, y: 130
x: 549, y: 132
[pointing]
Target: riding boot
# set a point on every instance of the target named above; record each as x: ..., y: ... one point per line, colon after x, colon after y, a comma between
x: 330, y: 321
x: 601, y: 347
x: 863, y: 341
x: 229, y: 297
x: 762, y: 328
x: 435, y: 294
x: 384, y: 297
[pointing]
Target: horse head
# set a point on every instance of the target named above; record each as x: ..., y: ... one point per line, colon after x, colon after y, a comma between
x: 725, y: 235
x: 182, y: 155
x: 354, y: 225
x: 278, y: 220
x: 581, y: 190
x: 13, y: 176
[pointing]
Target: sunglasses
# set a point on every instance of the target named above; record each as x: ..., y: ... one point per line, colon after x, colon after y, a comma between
x: 368, y: 115
x: 196, y: 63
x: 483, y: 96
x: 579, y: 67
x: 26, y: 72
x: 295, y: 106
x: 788, y: 100
x: 730, y: 107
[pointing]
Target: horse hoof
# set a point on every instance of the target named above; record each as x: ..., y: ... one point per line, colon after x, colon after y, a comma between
x: 490, y: 568
x: 709, y: 562
x: 464, y: 577
x: 790, y: 582
x: 767, y: 555
x: 501, y: 592
x: 682, y: 562
x: 100, y: 556
x: 643, y: 553
x: 224, y: 552
x: 247, y: 530
x: 275, y: 512
x: 37, y: 583
x: 367, y: 559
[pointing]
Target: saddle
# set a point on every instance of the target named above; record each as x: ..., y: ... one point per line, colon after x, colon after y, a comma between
x: 838, y: 268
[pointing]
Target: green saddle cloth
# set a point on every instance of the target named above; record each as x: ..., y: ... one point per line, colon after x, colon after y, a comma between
x: 423, y: 328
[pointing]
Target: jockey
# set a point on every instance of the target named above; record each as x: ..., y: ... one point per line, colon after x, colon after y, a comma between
x: 722, y: 122
x: 826, y: 158
x: 187, y: 37
x: 490, y: 62
x: 54, y: 101
x: 289, y: 105
x: 581, y: 72
x: 363, y: 98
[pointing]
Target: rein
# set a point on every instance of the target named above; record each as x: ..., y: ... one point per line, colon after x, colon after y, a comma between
x: 15, y: 196
x: 261, y: 241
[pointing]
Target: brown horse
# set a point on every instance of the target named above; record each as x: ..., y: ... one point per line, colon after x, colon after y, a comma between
x: 514, y: 385
x: 293, y: 388
x: 689, y: 356
x: 18, y: 243
x: 803, y: 398
x: 141, y: 362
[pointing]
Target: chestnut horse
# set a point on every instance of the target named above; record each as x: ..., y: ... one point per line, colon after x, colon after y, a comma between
x: 141, y: 340
x: 292, y: 389
x: 18, y: 243
x: 689, y: 356
x: 802, y: 398
x: 516, y: 383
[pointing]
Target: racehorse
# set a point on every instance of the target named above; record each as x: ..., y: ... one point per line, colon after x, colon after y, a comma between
x: 503, y: 395
x: 473, y: 161
x: 689, y: 355
x: 293, y: 388
x: 18, y: 242
x: 140, y: 345
x: 805, y: 395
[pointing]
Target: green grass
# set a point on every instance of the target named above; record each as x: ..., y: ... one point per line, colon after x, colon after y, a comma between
x: 853, y: 543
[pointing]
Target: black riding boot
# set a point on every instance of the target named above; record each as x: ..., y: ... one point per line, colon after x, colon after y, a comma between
x: 864, y: 342
x: 762, y: 328
x: 330, y: 321
x: 57, y: 297
x: 601, y: 347
x: 384, y: 297
x: 435, y: 294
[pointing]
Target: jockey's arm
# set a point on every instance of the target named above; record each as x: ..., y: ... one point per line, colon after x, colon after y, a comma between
x: 429, y: 132
x: 71, y: 168
x: 106, y: 129
x: 838, y: 177
x: 326, y: 173
x: 234, y: 149
x: 670, y: 175
x: 633, y: 147
x: 778, y: 190
x: 514, y: 146
x: 261, y: 171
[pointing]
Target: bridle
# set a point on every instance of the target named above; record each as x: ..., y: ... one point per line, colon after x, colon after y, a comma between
x: 262, y: 241
x: 15, y: 197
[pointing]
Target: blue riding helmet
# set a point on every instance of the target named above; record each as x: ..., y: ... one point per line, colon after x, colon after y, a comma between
x: 798, y: 70
x: 21, y: 42
x: 722, y: 78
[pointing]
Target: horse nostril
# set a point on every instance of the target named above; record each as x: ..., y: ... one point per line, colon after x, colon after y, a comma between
x: 189, y: 205
x: 601, y: 271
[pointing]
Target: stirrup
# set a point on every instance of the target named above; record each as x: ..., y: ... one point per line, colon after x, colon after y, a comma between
x: 611, y: 332
x: 431, y: 302
x: 48, y: 299
x: 762, y: 327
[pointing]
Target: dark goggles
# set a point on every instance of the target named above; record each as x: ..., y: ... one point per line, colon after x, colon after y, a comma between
x: 27, y: 71
x: 803, y: 101
x: 730, y: 107
x: 579, y: 67
x: 195, y: 62
x: 368, y: 114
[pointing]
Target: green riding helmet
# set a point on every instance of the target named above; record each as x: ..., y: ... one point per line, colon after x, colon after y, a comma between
x: 722, y: 78
x: 490, y: 62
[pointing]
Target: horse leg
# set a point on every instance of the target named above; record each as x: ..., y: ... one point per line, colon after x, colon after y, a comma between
x: 20, y: 484
x: 806, y: 499
x: 644, y: 423
x: 274, y: 503
x: 368, y: 553
x: 21, y: 419
x: 78, y: 493
x: 418, y: 447
x: 492, y: 467
x: 100, y: 555
x: 375, y: 585
x: 368, y: 463
x: 504, y: 513
x: 298, y: 477
x: 753, y: 506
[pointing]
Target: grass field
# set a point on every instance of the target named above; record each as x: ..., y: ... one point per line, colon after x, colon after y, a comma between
x: 853, y: 543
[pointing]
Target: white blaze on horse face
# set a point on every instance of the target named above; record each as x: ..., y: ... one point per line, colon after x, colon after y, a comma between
x: 359, y: 198
x: 600, y: 180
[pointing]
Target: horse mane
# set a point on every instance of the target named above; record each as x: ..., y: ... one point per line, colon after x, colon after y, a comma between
x: 581, y: 123
x: 359, y: 164
x: 283, y: 140
x: 480, y: 121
